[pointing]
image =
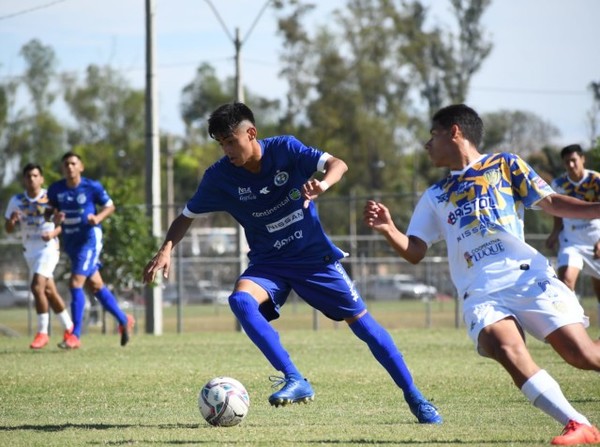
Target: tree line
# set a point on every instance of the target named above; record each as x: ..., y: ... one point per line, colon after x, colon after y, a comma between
x: 362, y: 86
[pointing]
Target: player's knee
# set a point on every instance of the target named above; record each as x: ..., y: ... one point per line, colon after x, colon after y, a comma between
x: 242, y: 303
x: 583, y: 358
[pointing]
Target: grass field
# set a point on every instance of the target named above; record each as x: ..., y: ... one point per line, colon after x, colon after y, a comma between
x: 146, y: 394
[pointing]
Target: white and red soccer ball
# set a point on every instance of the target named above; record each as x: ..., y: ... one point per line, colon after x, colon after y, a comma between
x: 223, y: 402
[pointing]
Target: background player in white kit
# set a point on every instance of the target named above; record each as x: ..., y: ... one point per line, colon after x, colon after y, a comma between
x: 507, y: 286
x: 41, y: 251
x: 578, y: 239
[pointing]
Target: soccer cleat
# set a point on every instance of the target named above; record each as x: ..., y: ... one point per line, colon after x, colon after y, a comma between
x: 67, y: 333
x: 124, y: 330
x: 293, y: 391
x: 425, y: 412
x: 71, y: 341
x: 39, y: 341
x: 575, y: 433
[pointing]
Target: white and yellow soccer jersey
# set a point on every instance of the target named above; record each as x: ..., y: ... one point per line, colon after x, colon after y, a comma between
x: 479, y: 212
x: 584, y: 232
x: 33, y: 223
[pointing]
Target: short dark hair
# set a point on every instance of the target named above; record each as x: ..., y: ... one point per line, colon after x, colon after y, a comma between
x: 571, y: 149
x: 465, y: 118
x: 30, y: 167
x: 69, y: 155
x: 223, y: 121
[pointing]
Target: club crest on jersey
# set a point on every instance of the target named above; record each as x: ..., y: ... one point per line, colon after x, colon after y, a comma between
x: 81, y: 199
x: 492, y: 176
x: 281, y: 178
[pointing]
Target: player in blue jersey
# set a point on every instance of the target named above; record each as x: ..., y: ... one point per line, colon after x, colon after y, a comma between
x: 74, y: 201
x: 41, y: 250
x: 267, y: 186
x: 578, y: 239
x: 507, y: 286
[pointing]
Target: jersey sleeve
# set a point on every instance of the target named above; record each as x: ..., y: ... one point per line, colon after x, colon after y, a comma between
x: 101, y: 196
x: 11, y: 207
x: 527, y: 185
x: 207, y: 198
x: 424, y: 223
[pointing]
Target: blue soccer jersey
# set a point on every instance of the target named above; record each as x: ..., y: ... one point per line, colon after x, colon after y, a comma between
x: 269, y: 205
x: 77, y: 204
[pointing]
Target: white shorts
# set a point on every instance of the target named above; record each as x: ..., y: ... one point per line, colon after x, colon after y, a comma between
x: 42, y: 261
x: 580, y: 257
x: 539, y: 307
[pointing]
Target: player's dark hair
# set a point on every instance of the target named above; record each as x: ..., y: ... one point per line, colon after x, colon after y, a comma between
x: 223, y: 121
x: 571, y: 149
x: 69, y: 155
x: 465, y: 118
x: 30, y: 167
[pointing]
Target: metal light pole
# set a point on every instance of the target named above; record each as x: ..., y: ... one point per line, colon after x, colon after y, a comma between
x: 242, y: 244
x: 153, y: 295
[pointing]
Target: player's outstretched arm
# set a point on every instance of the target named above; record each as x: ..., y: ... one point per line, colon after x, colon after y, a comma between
x: 162, y: 259
x: 377, y: 216
x: 560, y: 205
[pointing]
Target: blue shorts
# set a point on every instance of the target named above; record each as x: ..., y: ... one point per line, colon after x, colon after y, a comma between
x: 325, y: 287
x: 85, y: 261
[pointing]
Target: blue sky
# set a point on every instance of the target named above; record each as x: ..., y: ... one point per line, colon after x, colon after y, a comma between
x: 544, y: 56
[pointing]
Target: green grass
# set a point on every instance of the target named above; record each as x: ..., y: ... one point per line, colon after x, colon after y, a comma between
x: 146, y: 394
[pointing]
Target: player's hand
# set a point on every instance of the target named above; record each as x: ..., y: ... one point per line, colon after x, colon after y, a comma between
x: 160, y: 261
x: 93, y: 219
x: 15, y: 217
x: 312, y: 189
x: 377, y: 216
x: 597, y: 250
x: 59, y: 218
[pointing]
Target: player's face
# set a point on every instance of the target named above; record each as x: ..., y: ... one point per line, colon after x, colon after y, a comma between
x: 237, y: 146
x: 574, y: 164
x: 72, y: 168
x: 33, y: 181
x: 439, y: 146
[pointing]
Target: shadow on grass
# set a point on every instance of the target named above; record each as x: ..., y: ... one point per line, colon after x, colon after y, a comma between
x: 61, y: 427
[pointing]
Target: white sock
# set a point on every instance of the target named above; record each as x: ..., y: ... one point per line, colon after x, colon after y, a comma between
x: 545, y: 393
x: 65, y: 319
x: 43, y: 320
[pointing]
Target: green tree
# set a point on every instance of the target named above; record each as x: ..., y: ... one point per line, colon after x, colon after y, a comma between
x: 109, y: 130
x: 128, y: 244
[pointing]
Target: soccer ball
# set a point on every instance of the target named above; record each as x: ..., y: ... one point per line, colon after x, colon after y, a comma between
x: 223, y: 402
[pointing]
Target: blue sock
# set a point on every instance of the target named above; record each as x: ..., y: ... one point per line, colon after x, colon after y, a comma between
x: 385, y: 351
x: 77, y: 309
x: 109, y: 302
x: 262, y: 334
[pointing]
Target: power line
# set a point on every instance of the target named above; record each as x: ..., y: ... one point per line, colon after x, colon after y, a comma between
x: 32, y: 9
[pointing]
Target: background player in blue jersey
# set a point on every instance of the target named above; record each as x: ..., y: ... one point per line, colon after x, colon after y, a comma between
x: 267, y: 186
x: 578, y: 239
x: 507, y: 286
x: 74, y: 200
x: 41, y: 251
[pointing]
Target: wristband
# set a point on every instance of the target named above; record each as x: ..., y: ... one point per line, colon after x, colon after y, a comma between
x: 324, y: 185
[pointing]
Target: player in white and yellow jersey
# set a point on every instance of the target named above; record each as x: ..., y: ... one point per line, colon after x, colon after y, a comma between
x: 507, y: 287
x: 578, y: 239
x: 41, y: 250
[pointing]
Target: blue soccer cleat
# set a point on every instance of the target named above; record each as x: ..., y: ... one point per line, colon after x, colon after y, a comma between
x: 425, y: 412
x: 294, y: 391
